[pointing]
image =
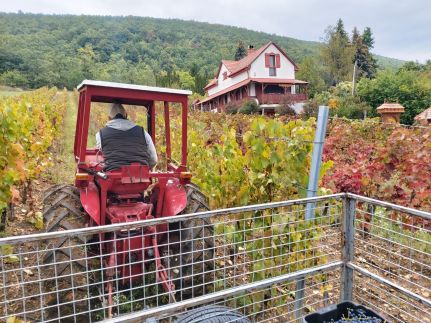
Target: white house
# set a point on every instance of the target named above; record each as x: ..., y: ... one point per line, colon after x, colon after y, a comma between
x: 266, y: 75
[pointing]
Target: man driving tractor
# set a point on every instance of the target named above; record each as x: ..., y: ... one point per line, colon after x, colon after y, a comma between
x: 123, y: 142
x: 111, y: 193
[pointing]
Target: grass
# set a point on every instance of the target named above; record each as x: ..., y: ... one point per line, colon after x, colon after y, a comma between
x: 9, y: 93
x: 64, y: 170
x: 6, y: 91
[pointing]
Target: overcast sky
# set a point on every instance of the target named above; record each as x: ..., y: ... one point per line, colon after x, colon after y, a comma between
x: 402, y: 28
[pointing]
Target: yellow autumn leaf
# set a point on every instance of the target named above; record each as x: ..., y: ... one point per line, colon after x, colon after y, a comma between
x: 365, y: 181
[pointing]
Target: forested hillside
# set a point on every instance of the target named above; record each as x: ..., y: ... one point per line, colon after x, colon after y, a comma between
x: 62, y: 50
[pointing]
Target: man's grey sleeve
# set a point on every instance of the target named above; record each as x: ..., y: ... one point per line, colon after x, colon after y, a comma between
x: 98, y: 141
x: 151, y: 150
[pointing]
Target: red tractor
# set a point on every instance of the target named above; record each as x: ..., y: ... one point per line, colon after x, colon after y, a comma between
x: 131, y: 193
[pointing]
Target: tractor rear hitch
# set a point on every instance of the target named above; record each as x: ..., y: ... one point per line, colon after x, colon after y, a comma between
x: 161, y: 274
x: 110, y: 272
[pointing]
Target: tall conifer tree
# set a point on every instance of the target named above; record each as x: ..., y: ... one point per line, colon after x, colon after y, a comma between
x: 241, y: 52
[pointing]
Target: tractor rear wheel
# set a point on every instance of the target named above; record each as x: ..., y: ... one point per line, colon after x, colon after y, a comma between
x: 191, y: 249
x: 212, y: 314
x: 65, y: 261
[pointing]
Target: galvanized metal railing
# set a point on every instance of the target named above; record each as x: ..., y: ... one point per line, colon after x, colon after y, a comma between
x: 250, y: 259
x: 391, y: 264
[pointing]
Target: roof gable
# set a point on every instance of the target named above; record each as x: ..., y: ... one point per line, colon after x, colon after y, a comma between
x: 238, y: 66
x: 285, y: 55
x: 246, y: 61
x: 235, y: 67
x: 214, y: 81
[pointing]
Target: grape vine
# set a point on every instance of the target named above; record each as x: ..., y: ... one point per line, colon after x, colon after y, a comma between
x: 29, y: 124
x: 387, y: 162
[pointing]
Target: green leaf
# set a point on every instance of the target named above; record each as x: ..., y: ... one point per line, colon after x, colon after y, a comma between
x: 6, y: 250
x: 11, y: 259
x: 38, y: 223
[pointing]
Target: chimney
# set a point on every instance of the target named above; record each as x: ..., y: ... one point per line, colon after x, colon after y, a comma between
x: 250, y: 49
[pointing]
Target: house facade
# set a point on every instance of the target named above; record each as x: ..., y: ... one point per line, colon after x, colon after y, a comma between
x: 266, y: 75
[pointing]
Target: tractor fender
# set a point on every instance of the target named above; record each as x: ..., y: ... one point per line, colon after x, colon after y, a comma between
x: 175, y: 198
x: 90, y: 201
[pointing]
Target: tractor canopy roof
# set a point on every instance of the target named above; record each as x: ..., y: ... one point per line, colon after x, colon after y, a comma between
x: 108, y: 92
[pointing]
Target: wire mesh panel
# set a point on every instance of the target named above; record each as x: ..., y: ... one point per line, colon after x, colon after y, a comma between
x: 276, y: 303
x: 393, y: 261
x: 248, y: 258
x: 263, y: 262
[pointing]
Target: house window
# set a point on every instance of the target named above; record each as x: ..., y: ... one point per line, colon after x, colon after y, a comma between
x: 272, y: 67
x: 224, y: 75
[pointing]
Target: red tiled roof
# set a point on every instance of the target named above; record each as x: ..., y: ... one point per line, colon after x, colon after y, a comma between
x: 424, y: 115
x: 237, y: 66
x: 230, y: 65
x: 228, y: 89
x: 213, y: 82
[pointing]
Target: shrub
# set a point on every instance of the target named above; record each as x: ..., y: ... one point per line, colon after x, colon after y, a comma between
x: 232, y: 108
x: 351, y: 107
x: 13, y: 78
x: 249, y: 107
x: 286, y: 107
x: 310, y: 109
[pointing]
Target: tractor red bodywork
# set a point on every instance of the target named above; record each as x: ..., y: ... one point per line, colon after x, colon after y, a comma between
x: 116, y: 196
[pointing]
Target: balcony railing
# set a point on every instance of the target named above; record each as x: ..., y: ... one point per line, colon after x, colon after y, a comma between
x: 277, y: 98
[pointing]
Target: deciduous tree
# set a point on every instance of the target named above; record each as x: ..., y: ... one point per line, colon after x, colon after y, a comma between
x: 311, y: 72
x: 412, y: 89
x: 337, y: 55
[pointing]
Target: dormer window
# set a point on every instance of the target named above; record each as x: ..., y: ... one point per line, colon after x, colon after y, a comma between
x: 224, y: 75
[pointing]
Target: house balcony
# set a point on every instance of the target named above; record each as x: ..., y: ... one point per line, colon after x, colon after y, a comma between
x: 277, y: 98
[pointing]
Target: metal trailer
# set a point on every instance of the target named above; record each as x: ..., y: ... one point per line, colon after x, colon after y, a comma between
x: 359, y: 249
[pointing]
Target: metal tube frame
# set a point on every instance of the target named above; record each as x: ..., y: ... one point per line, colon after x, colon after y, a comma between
x: 400, y: 289
x: 348, y: 252
x: 176, y: 307
x: 172, y: 219
x: 346, y: 264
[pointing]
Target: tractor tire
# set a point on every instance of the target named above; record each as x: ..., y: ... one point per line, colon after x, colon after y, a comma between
x: 191, y: 249
x: 213, y: 314
x: 65, y: 265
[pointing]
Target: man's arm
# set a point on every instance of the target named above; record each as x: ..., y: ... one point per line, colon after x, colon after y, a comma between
x: 98, y: 141
x: 151, y: 150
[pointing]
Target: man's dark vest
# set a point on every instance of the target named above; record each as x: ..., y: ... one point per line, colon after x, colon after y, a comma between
x: 122, y: 148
